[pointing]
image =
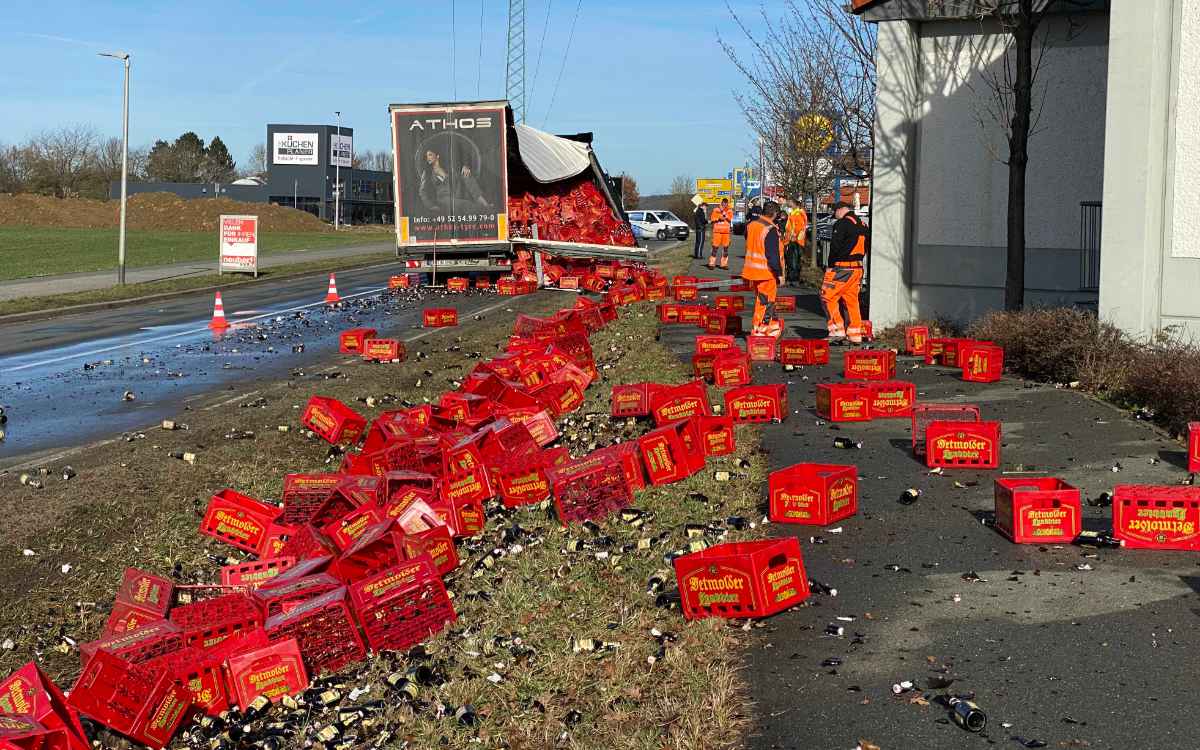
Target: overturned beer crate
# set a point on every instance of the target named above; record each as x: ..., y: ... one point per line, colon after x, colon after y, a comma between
x: 742, y: 579
x: 303, y: 494
x: 844, y: 402
x: 804, y: 351
x: 632, y: 400
x: 402, y: 606
x: 591, y: 494
x: 962, y: 445
x: 892, y: 398
x: 254, y: 573
x: 209, y: 622
x: 271, y: 671
x: 439, y: 317
x: 139, y: 701
x: 354, y: 340
x: 916, y: 340
x: 285, y: 594
x: 142, y: 598
x: 869, y: 364
x: 815, y: 494
x: 238, y: 520
x: 757, y: 403
x: 981, y: 363
x: 925, y: 414
x: 333, y: 421
x: 1150, y: 517
x: 1038, y: 510
x: 717, y: 435
x: 30, y: 693
x: 325, y: 631
x: 672, y: 452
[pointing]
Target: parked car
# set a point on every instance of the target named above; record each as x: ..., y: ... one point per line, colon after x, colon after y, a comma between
x: 649, y: 225
x: 677, y: 226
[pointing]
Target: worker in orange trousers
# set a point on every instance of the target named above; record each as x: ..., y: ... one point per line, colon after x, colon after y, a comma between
x: 722, y: 224
x: 842, y: 284
x: 764, y: 269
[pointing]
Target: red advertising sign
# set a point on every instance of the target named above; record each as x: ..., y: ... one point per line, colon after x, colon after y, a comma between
x: 239, y: 244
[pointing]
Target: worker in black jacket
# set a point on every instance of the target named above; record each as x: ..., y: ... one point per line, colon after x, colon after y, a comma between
x: 700, y: 219
x: 843, y: 275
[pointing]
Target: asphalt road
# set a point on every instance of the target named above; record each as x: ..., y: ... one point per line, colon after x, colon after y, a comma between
x: 1069, y: 646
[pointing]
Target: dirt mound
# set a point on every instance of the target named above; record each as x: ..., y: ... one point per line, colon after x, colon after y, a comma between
x: 156, y: 211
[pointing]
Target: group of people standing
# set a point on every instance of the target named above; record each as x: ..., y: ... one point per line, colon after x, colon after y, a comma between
x: 775, y: 238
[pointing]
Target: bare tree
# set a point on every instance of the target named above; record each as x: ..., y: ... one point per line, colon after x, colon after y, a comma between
x: 256, y: 163
x: 683, y: 187
x: 810, y: 99
x: 12, y: 169
x: 62, y: 161
x: 630, y: 195
x: 1012, y: 100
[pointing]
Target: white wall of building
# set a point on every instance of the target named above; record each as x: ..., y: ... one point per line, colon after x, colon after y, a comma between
x: 941, y: 249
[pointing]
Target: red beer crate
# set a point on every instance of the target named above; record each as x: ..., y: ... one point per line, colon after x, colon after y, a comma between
x: 1194, y: 447
x: 483, y: 282
x: 702, y: 366
x: 403, y: 281
x: 307, y: 541
x: 458, y: 284
x: 402, y: 606
x: 925, y: 414
x: 523, y: 482
x: 126, y: 618
x: 142, y: 598
x: 325, y: 631
x: 384, y: 350
x: 762, y: 348
x: 962, y: 445
x: 333, y: 421
x: 145, y: 643
x: 303, y: 494
x: 730, y: 367
x: 284, y: 594
x: 717, y: 435
x: 1038, y: 510
x: 201, y: 672
x: 211, y: 621
x: 844, y: 402
x: 685, y: 293
x: 720, y: 323
x: 713, y: 343
x: 869, y: 364
x: 377, y: 549
x: 29, y: 692
x: 1149, y: 517
x: 141, y: 702
x: 694, y: 315
x: 816, y: 494
x: 731, y: 302
x: 668, y: 312
x: 681, y: 280
x: 757, y: 403
x: 742, y: 579
x: 256, y: 572
x: 354, y: 340
x: 270, y: 671
x: 785, y: 304
x: 916, y: 340
x: 439, y: 317
x: 238, y: 520
x: 981, y: 363
x: 804, y: 351
x: 23, y: 733
x: 673, y: 403
x: 666, y: 453
x: 892, y: 398
x: 947, y: 351
x: 632, y: 400
x: 591, y: 494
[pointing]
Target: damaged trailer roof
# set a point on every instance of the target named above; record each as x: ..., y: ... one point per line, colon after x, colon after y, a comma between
x: 550, y: 158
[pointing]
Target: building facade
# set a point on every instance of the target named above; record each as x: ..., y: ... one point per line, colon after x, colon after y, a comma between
x: 304, y: 165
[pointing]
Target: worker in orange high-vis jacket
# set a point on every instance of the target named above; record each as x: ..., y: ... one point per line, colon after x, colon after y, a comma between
x: 797, y: 227
x: 764, y: 269
x: 843, y: 275
x: 722, y: 224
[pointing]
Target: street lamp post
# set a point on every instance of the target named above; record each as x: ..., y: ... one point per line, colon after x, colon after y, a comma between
x: 124, y: 57
x: 337, y: 176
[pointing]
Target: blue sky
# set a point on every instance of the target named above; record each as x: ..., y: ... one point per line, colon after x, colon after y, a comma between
x: 649, y: 78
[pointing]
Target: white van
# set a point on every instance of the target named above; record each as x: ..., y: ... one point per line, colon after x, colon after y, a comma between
x: 661, y: 225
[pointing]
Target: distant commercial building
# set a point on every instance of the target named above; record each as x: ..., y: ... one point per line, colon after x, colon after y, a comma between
x: 303, y: 163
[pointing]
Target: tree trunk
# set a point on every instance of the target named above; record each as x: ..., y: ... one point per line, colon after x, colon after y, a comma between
x: 1024, y: 27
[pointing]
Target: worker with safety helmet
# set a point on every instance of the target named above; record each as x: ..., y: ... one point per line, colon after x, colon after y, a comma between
x: 763, y: 269
x: 843, y: 275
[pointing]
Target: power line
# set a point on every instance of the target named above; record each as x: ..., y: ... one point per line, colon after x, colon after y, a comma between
x: 479, y: 63
x: 570, y: 38
x: 541, y: 46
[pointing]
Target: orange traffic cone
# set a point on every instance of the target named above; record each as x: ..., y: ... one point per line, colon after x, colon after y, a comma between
x: 331, y: 296
x: 218, y: 321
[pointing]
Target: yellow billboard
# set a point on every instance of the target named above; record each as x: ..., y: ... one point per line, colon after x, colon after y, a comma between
x: 713, y: 190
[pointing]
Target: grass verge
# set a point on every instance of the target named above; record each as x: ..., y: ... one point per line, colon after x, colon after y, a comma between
x: 524, y: 595
x: 115, y: 294
x: 46, y: 251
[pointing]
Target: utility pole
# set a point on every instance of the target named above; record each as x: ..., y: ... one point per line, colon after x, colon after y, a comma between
x: 514, y: 73
x: 337, y: 176
x: 124, y: 57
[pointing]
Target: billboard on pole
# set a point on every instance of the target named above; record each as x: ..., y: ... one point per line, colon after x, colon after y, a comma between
x: 341, y: 150
x: 451, y: 173
x: 239, y: 244
x: 712, y: 190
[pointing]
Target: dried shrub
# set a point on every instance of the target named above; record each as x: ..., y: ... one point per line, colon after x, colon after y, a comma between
x: 1051, y: 344
x: 893, y: 337
x: 1163, y: 381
